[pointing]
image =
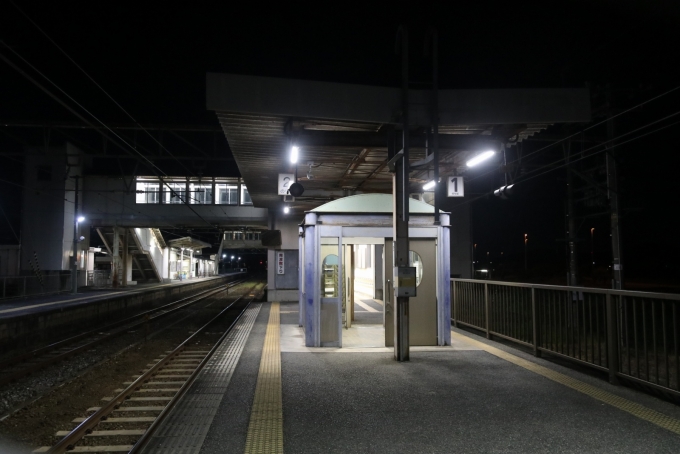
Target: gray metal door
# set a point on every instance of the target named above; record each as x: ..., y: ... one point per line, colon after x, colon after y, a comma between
x: 423, y: 307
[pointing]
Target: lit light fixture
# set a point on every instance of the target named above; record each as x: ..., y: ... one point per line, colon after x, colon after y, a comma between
x: 286, y: 210
x: 429, y: 185
x: 294, y: 154
x: 224, y: 256
x: 81, y: 218
x: 480, y: 158
x: 483, y: 271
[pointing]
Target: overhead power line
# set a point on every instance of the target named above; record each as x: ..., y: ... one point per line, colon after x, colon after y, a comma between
x: 582, y: 131
x: 96, y: 84
x: 558, y: 164
x: 73, y: 111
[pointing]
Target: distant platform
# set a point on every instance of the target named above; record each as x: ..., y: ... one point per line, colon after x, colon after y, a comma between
x: 16, y: 307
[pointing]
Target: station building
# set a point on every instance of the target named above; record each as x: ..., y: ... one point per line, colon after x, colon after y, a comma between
x: 329, y: 247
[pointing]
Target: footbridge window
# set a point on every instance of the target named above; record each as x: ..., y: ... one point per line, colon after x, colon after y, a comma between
x: 227, y: 193
x: 148, y: 191
x: 200, y: 193
x: 175, y: 192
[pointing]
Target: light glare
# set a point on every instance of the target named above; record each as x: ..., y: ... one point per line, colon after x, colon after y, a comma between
x: 286, y: 210
x: 294, y: 154
x: 479, y: 158
x: 81, y: 218
x: 429, y: 185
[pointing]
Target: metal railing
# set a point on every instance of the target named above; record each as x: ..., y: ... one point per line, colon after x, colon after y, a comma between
x: 632, y: 335
x: 99, y: 278
x: 20, y: 286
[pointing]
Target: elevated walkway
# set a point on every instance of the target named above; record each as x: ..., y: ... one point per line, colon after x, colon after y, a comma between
x: 264, y: 391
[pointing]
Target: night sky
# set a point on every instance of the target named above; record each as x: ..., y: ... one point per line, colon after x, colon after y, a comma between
x: 152, y: 59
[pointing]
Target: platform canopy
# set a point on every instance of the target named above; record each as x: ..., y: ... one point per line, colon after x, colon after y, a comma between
x: 341, y: 130
x: 189, y: 243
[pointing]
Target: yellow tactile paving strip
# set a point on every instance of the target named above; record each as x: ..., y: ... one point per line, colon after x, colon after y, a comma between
x: 265, y: 431
x: 626, y: 405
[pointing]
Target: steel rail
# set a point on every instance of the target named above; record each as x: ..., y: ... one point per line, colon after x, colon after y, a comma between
x: 141, y: 443
x: 116, y: 329
x: 67, y: 443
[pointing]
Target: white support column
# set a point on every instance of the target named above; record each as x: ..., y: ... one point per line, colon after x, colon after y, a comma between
x: 180, y: 263
x: 191, y: 264
x: 311, y: 297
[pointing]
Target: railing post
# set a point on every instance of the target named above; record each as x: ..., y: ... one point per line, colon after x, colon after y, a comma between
x: 455, y: 304
x: 486, y: 309
x: 612, y: 341
x: 534, y: 322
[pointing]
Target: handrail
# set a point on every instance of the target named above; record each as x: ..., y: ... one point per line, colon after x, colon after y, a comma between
x: 633, y: 293
x: 631, y: 335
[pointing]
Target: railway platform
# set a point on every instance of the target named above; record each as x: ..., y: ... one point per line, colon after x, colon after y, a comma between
x: 15, y: 307
x: 264, y: 391
x: 27, y: 322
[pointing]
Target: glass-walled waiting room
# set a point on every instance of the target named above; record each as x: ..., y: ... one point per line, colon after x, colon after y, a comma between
x: 199, y: 191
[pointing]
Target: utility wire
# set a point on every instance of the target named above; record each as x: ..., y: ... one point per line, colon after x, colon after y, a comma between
x: 605, y: 143
x: 571, y: 161
x: 553, y: 167
x: 97, y: 85
x: 10, y: 63
x: 582, y: 131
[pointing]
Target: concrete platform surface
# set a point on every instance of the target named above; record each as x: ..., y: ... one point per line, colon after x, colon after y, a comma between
x: 474, y: 397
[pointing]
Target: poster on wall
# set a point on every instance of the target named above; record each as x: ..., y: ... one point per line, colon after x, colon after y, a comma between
x: 279, y: 263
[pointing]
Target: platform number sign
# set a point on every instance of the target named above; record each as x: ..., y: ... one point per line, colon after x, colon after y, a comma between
x: 285, y: 180
x: 455, y: 187
x: 279, y: 263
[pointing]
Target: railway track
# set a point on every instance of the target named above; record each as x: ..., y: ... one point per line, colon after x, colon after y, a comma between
x: 126, y: 421
x: 20, y: 366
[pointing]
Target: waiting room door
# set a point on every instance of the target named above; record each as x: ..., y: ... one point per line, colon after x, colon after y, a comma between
x: 423, y: 307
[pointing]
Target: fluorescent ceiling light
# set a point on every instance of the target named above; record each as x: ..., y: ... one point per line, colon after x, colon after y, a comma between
x: 479, y: 158
x: 429, y: 185
x: 81, y: 218
x: 294, y: 154
x: 286, y: 210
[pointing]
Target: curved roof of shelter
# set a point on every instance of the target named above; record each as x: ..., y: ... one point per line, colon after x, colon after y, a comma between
x: 371, y: 203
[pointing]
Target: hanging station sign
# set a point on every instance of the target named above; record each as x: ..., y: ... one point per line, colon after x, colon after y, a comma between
x: 285, y: 181
x: 455, y: 186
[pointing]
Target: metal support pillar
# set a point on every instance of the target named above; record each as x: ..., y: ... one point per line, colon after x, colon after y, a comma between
x: 191, y: 263
x: 124, y: 273
x: 571, y: 220
x: 115, y: 258
x: 613, y: 191
x: 434, y: 119
x: 401, y: 214
x: 74, y: 262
